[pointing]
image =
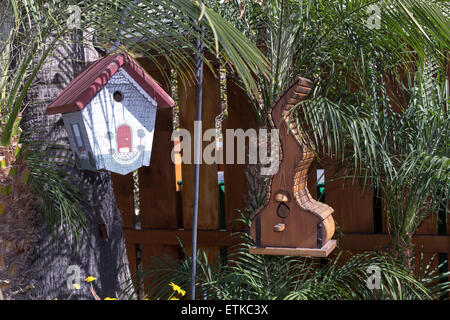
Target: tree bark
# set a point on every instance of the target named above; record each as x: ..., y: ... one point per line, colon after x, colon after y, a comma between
x: 104, y: 259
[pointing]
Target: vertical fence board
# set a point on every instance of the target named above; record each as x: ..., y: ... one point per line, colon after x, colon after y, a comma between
x: 353, y: 209
x: 448, y: 224
x: 312, y: 179
x: 240, y: 116
x: 123, y: 193
x: 157, y: 184
x: 384, y: 216
x: 208, y: 205
x: 428, y: 226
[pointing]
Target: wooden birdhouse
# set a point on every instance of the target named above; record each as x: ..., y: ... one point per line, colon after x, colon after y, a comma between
x: 291, y: 222
x: 109, y: 112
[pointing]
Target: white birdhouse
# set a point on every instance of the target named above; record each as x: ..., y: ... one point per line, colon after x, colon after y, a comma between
x: 109, y: 111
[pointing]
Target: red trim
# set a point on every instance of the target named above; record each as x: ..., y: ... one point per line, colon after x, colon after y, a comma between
x: 88, y: 83
x: 123, y: 137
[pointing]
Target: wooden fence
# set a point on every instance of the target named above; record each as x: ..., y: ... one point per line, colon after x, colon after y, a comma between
x: 166, y: 210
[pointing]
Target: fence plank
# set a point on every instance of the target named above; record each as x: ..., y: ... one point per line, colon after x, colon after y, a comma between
x: 312, y: 179
x: 350, y: 241
x: 365, y: 242
x: 123, y: 193
x: 208, y: 200
x: 157, y: 184
x: 353, y: 209
x: 428, y: 225
x: 170, y: 237
x: 240, y: 115
x: 208, y: 204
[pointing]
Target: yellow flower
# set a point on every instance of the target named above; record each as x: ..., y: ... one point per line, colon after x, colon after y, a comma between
x: 90, y: 279
x: 55, y: 299
x: 174, y: 298
x: 76, y: 286
x: 108, y: 298
x: 177, y: 288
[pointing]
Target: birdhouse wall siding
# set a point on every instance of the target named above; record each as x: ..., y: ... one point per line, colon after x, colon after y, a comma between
x: 82, y: 159
x: 135, y: 115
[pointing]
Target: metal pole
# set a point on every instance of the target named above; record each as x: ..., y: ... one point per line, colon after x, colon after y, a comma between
x: 197, y: 152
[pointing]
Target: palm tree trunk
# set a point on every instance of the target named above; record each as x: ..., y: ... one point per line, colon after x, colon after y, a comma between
x: 103, y: 258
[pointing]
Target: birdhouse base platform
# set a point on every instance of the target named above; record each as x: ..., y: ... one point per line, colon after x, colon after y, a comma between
x: 302, y: 252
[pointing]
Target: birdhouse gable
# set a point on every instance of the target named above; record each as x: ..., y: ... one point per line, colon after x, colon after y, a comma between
x: 121, y: 81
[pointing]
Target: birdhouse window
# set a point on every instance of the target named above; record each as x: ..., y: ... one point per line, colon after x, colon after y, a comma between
x: 124, y: 139
x: 77, y: 135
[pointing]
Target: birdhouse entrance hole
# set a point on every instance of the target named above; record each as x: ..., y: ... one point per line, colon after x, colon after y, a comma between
x: 283, y: 211
x: 118, y: 96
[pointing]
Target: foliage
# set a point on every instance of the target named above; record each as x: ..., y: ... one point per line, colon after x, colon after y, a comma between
x: 257, y: 277
x: 167, y: 28
x: 396, y: 141
x: 22, y: 53
x: 156, y: 29
x: 62, y: 200
x: 379, y: 105
x: 403, y: 153
x: 380, y: 101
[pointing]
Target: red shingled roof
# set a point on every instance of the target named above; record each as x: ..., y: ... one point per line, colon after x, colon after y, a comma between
x: 88, y: 83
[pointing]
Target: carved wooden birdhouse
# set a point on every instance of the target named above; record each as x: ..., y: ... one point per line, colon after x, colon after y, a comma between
x: 291, y: 222
x: 109, y: 111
